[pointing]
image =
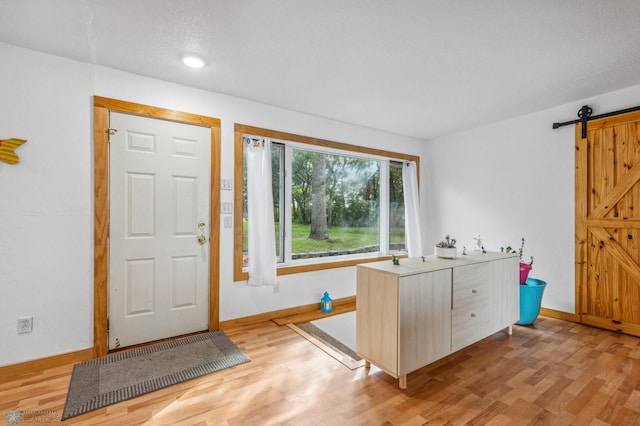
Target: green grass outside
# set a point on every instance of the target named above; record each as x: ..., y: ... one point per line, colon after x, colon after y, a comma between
x: 340, y: 238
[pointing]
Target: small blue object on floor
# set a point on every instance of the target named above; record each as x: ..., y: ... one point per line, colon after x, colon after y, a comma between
x: 326, y: 304
x: 530, y: 300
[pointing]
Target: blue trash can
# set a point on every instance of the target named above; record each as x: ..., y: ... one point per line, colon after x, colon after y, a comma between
x: 530, y: 300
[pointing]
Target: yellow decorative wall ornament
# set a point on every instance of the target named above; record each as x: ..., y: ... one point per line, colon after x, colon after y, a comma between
x: 6, y: 150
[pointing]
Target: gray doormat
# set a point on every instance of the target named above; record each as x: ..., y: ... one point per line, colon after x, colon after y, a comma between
x: 328, y: 344
x: 128, y: 374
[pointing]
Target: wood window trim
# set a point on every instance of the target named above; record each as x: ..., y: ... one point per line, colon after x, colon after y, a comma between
x: 101, y: 108
x: 239, y: 131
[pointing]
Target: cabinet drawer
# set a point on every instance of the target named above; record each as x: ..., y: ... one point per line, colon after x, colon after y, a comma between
x: 471, y: 295
x: 471, y: 316
x: 470, y: 324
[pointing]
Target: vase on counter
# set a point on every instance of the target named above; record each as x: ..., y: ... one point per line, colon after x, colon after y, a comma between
x: 525, y: 268
x: 445, y: 252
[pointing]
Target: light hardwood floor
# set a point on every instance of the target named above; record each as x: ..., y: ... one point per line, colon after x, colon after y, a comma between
x: 555, y: 373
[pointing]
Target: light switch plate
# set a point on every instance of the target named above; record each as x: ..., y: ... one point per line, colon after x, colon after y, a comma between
x: 226, y: 208
x: 228, y: 221
x: 227, y: 184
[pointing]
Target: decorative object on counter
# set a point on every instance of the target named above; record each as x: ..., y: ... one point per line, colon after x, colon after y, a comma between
x: 525, y: 267
x: 478, y: 243
x: 395, y: 260
x: 326, y: 304
x: 424, y: 259
x: 464, y: 250
x: 530, y: 300
x: 483, y: 250
x: 7, y: 147
x: 446, y: 248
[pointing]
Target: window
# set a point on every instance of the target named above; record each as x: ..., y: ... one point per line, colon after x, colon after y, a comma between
x: 334, y: 204
x: 396, y: 208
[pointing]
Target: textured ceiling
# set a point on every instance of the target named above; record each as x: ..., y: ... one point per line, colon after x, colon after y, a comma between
x: 421, y: 68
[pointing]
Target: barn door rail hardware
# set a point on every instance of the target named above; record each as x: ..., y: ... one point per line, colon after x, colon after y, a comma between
x: 584, y: 115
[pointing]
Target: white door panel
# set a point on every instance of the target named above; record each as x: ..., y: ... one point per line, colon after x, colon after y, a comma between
x: 159, y: 183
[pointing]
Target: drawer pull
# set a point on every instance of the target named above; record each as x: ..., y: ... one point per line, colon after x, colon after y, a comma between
x: 474, y: 291
x: 473, y: 315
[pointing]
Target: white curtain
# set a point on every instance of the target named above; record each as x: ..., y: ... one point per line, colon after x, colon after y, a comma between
x: 412, y: 208
x: 262, y: 242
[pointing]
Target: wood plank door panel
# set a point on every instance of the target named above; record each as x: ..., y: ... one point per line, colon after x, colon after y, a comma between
x: 608, y: 223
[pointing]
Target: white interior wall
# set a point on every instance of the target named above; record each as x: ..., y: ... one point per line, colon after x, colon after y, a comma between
x: 502, y: 181
x: 46, y: 201
x: 46, y: 247
x: 510, y: 180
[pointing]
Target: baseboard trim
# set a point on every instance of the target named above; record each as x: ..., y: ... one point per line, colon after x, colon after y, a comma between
x: 36, y: 366
x: 14, y: 371
x: 284, y: 316
x: 559, y: 315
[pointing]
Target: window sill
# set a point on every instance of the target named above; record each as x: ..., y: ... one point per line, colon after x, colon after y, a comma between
x: 316, y: 266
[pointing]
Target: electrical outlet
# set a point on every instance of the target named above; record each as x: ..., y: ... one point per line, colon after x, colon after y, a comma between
x: 25, y: 325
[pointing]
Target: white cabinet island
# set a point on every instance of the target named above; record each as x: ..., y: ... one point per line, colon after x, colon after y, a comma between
x: 412, y: 314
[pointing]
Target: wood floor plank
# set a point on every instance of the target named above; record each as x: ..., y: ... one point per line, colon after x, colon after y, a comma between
x: 554, y: 372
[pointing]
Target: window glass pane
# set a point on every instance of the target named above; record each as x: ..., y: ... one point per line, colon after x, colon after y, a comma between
x: 277, y: 186
x: 396, y: 208
x: 335, y: 205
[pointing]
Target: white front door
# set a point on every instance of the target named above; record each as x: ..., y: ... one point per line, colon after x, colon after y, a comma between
x: 159, y: 189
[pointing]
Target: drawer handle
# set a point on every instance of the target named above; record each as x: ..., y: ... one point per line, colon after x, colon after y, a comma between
x: 473, y: 315
x: 474, y: 291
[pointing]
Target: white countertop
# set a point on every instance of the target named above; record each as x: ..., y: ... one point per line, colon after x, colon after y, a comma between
x: 415, y: 265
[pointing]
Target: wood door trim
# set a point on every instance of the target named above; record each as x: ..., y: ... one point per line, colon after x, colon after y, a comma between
x: 101, y: 108
x: 100, y: 229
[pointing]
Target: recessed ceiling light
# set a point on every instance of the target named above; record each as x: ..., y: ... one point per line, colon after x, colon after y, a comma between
x: 193, y: 61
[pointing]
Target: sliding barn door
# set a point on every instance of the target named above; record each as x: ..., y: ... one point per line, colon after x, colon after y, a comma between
x: 608, y: 223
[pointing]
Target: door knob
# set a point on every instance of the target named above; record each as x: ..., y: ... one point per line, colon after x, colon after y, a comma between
x: 201, y: 238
